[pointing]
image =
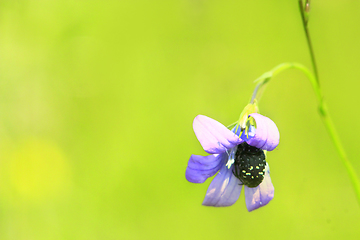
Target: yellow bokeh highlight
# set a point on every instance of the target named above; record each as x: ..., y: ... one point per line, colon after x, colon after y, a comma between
x: 37, y: 170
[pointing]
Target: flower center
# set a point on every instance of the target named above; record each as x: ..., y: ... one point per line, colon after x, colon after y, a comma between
x: 249, y: 165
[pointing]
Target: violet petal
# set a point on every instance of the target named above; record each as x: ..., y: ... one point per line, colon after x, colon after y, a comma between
x: 260, y: 195
x: 266, y: 135
x: 236, y: 130
x: 202, y: 167
x: 224, y: 189
x: 213, y: 136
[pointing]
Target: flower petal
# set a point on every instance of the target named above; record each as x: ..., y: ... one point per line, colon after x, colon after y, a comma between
x: 213, y: 136
x: 224, y: 189
x: 202, y: 167
x: 236, y: 130
x: 266, y: 135
x: 260, y: 195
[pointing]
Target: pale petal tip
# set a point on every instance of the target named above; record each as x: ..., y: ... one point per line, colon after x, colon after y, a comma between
x: 213, y: 136
x: 267, y: 135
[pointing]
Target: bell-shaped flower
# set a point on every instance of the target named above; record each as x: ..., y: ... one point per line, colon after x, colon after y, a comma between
x: 238, y: 160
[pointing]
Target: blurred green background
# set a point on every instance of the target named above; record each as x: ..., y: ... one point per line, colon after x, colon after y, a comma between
x: 97, y: 100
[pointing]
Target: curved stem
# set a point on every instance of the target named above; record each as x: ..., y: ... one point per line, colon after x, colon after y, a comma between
x: 265, y: 78
x: 330, y: 127
x: 304, y: 11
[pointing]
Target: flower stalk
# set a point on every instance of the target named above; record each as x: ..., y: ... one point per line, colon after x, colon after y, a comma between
x: 323, y: 111
x: 304, y: 12
x: 314, y: 80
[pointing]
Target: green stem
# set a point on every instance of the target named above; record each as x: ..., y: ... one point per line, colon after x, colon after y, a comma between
x: 330, y: 127
x: 304, y: 11
x: 304, y: 17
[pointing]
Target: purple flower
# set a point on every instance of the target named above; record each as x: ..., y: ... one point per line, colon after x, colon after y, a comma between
x: 239, y: 160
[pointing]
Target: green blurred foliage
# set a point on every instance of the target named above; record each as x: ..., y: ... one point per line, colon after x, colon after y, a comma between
x: 97, y: 100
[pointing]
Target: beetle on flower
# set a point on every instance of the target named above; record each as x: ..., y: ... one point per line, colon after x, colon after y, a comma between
x: 239, y: 156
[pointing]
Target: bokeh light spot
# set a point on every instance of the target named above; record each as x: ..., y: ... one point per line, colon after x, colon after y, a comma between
x: 38, y: 170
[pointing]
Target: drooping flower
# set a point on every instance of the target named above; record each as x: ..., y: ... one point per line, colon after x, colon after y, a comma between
x: 239, y: 156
